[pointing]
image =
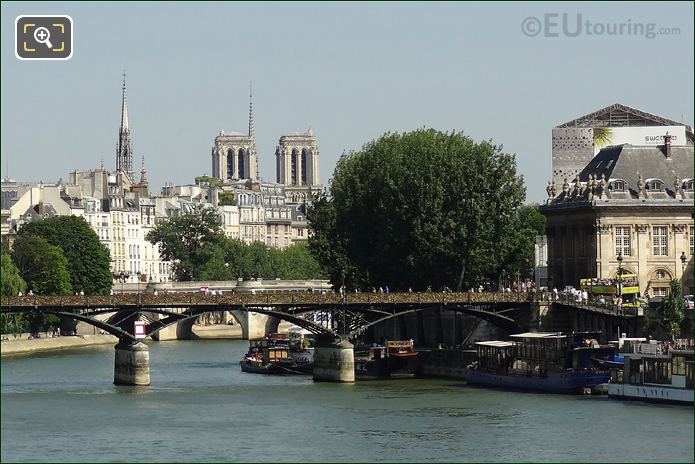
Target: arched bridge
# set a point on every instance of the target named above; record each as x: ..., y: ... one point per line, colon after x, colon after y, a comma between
x: 352, y: 313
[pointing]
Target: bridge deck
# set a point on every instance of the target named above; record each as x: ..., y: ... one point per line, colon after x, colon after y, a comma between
x: 290, y: 299
x: 264, y: 299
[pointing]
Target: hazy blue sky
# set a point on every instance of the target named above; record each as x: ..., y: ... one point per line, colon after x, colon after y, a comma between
x: 350, y: 71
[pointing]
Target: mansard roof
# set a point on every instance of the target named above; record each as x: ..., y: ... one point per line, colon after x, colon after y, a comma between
x: 636, y: 166
x: 628, y: 162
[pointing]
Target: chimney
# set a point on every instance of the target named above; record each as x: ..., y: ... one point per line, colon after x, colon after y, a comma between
x: 667, y: 145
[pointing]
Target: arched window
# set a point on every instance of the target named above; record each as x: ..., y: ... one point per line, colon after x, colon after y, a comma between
x: 688, y: 185
x: 304, y: 158
x: 242, y: 167
x: 661, y: 274
x: 617, y: 185
x: 293, y: 162
x: 655, y: 185
x: 230, y: 164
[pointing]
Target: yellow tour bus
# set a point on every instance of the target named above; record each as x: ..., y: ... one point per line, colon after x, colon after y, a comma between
x: 623, y: 285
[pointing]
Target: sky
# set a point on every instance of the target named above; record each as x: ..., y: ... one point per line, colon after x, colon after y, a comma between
x: 508, y: 72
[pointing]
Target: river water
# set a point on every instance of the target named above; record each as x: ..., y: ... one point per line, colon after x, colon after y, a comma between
x: 202, y: 408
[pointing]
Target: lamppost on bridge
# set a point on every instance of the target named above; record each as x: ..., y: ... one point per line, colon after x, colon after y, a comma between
x: 683, y: 260
x: 138, y: 278
x: 620, y: 276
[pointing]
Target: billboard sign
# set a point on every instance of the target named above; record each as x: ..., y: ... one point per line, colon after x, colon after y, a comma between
x: 640, y: 136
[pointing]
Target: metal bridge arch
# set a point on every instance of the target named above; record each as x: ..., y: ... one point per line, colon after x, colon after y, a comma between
x: 498, y: 320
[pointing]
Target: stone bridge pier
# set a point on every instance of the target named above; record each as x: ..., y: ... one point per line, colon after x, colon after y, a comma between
x: 132, y: 364
x: 255, y: 326
x: 334, y: 360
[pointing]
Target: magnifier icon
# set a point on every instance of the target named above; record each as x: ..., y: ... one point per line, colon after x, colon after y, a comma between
x: 42, y: 35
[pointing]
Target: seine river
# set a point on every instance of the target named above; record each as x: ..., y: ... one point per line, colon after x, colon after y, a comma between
x: 63, y: 407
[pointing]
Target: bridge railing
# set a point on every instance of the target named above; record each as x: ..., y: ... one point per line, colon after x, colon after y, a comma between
x: 269, y: 299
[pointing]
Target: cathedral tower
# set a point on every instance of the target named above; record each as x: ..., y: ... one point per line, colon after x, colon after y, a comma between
x: 234, y: 155
x: 297, y: 159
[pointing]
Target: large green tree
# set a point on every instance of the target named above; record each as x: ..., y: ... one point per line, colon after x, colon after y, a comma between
x: 12, y: 285
x: 417, y: 209
x: 518, y: 242
x: 12, y: 282
x: 669, y: 314
x: 296, y: 263
x: 43, y: 266
x: 88, y: 259
x: 189, y: 241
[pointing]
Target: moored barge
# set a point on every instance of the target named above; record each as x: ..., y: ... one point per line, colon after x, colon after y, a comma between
x: 544, y: 362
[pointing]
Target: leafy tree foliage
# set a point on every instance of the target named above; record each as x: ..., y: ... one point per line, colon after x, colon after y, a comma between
x: 226, y: 199
x: 42, y: 265
x: 418, y: 209
x: 194, y: 242
x: 208, y: 180
x: 670, y: 312
x: 189, y: 241
x: 12, y: 282
x: 88, y: 261
x: 518, y: 241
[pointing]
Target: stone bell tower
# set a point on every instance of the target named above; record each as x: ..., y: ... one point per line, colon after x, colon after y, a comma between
x: 234, y: 154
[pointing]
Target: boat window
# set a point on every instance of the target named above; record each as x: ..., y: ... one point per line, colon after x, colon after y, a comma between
x: 636, y: 370
x: 657, y: 371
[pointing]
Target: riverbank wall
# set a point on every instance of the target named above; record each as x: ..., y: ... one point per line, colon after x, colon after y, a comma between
x: 22, y: 345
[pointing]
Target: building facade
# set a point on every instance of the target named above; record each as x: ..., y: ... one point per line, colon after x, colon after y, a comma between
x: 629, y: 208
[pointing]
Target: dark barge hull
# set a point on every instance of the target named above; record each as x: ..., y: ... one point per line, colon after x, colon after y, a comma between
x: 276, y: 369
x: 561, y: 382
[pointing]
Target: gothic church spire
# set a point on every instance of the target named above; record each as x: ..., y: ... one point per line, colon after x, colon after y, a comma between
x: 250, y: 110
x: 124, y: 154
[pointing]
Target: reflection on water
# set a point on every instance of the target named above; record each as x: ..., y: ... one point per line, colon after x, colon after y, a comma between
x: 202, y: 408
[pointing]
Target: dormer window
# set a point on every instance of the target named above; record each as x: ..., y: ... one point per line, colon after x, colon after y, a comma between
x: 654, y: 185
x: 618, y: 185
x: 688, y: 184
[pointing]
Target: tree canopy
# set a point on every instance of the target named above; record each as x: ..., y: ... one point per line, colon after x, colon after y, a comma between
x: 43, y: 266
x: 423, y: 208
x: 669, y: 314
x: 198, y: 249
x: 88, y: 260
x: 188, y: 241
x: 207, y: 180
x: 12, y: 282
x: 226, y: 199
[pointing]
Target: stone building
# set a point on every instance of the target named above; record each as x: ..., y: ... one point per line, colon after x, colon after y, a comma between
x: 632, y: 202
x: 234, y: 157
x: 278, y: 216
x: 234, y: 154
x: 262, y: 214
x: 297, y: 166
